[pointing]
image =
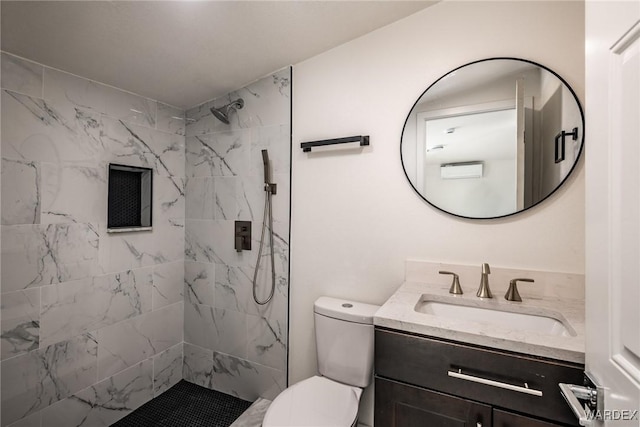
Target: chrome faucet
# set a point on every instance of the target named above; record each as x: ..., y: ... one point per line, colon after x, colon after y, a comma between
x: 484, y: 291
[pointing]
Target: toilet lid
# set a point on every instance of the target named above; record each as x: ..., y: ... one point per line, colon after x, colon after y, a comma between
x: 316, y: 401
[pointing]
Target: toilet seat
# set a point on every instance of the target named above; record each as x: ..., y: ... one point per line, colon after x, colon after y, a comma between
x: 317, y: 402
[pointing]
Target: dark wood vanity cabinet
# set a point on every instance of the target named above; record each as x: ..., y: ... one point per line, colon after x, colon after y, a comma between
x: 422, y: 381
x: 508, y: 419
x: 401, y: 405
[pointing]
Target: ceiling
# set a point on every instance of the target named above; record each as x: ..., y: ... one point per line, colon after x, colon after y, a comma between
x: 186, y: 52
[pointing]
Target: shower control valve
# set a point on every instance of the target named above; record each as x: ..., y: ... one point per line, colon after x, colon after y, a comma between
x: 242, y: 236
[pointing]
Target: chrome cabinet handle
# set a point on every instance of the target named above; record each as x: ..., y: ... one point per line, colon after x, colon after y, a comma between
x: 480, y: 380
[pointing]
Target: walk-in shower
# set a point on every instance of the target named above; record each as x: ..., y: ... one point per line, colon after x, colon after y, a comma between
x: 269, y: 190
x: 256, y: 352
x: 223, y: 112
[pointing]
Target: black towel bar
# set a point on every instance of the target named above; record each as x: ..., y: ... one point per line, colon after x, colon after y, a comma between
x: 362, y: 139
x: 559, y: 143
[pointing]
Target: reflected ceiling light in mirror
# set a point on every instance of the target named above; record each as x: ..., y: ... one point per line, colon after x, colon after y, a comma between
x: 435, y: 148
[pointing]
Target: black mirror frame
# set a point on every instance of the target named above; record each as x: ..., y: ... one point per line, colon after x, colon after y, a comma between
x: 578, y: 157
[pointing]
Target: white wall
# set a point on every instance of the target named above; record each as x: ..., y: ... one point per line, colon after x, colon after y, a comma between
x: 355, y: 219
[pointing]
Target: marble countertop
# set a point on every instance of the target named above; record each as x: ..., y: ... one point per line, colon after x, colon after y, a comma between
x: 398, y: 313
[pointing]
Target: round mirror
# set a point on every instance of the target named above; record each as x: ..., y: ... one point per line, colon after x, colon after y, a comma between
x: 492, y: 138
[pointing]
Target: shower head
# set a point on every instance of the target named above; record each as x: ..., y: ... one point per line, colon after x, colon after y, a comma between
x: 223, y: 112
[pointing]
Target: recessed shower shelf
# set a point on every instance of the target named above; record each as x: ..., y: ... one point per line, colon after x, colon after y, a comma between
x: 361, y: 139
x: 129, y: 198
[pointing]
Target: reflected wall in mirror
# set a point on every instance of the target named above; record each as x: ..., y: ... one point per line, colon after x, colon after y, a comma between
x: 492, y: 138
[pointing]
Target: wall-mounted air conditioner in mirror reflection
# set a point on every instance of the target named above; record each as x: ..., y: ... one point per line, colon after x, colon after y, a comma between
x: 129, y: 198
x: 462, y: 170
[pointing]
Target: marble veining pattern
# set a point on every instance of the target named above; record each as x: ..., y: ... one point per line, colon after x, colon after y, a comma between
x: 222, y: 154
x: 198, y: 365
x: 21, y: 76
x: 37, y: 131
x: 167, y: 369
x: 245, y: 379
x: 92, y: 322
x: 267, y: 344
x: 233, y: 287
x: 21, y: 192
x: 253, y: 416
x: 94, y: 303
x: 170, y: 119
x: 121, y: 251
x: 200, y: 199
x: 32, y: 420
x: 232, y: 344
x: 199, y: 242
x: 199, y: 281
x: 200, y: 326
x: 38, y: 255
x: 266, y: 104
x: 20, y: 322
x: 126, y: 343
x: 105, y: 402
x: 62, y: 184
x: 168, y: 284
x: 37, y: 379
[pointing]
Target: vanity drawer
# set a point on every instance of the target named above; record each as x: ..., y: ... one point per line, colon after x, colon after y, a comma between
x: 489, y: 376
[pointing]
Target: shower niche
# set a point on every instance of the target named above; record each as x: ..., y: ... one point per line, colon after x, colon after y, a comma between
x: 129, y: 198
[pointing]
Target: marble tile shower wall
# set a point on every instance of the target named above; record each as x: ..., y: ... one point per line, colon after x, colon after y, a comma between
x: 92, y: 323
x: 232, y: 344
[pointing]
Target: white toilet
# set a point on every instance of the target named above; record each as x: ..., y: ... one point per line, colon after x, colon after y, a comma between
x: 344, y: 342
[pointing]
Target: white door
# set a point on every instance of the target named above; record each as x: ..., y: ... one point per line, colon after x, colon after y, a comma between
x: 612, y: 153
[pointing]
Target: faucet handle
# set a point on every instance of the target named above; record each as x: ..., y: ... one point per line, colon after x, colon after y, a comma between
x: 484, y: 291
x: 512, y: 293
x: 455, y: 288
x: 486, y: 269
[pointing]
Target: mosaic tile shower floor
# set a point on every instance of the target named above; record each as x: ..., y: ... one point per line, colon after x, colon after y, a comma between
x: 187, y: 405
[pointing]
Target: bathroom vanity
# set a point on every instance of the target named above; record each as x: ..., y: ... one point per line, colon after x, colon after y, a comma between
x: 447, y: 368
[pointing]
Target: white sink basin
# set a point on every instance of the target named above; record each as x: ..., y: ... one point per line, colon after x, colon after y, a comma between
x: 506, y: 319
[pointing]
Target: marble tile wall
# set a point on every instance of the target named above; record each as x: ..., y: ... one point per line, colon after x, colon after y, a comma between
x: 232, y: 344
x: 91, y: 323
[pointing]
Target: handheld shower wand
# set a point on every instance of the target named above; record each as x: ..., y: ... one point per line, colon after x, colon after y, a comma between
x: 268, y: 185
x: 265, y: 163
x: 269, y: 189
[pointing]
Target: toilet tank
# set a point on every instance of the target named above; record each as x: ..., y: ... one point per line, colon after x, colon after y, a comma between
x: 344, y: 340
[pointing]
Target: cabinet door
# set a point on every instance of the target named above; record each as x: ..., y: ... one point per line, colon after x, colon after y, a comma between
x: 427, y: 362
x: 400, y: 405
x: 508, y: 419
